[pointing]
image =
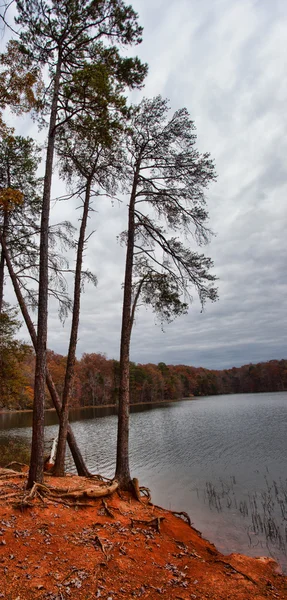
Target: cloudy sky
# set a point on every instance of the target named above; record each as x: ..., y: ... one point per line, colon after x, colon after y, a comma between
x: 225, y: 60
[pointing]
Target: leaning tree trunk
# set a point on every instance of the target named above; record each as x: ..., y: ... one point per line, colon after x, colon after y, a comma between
x: 77, y: 456
x: 2, y: 266
x: 2, y: 259
x: 75, y: 451
x: 37, y: 448
x: 59, y: 468
x: 122, y: 467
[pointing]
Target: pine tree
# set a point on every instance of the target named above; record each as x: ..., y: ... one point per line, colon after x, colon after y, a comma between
x: 167, y: 178
x: 88, y: 148
x: 65, y: 35
x: 19, y: 199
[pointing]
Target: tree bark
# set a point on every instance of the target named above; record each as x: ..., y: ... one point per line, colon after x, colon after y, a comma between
x: 2, y: 260
x: 77, y: 456
x: 122, y: 474
x: 59, y: 469
x: 37, y: 449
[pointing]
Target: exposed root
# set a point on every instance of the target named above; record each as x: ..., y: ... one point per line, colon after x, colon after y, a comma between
x: 38, y: 489
x: 120, y: 495
x: 75, y: 570
x: 183, y: 515
x: 6, y: 473
x: 155, y: 522
x: 16, y: 463
x: 229, y: 565
x: 107, y: 509
x: 99, y: 477
x: 22, y: 504
x: 5, y: 496
x: 92, y: 492
x: 63, y: 495
x: 145, y: 491
x: 100, y: 543
x: 140, y: 492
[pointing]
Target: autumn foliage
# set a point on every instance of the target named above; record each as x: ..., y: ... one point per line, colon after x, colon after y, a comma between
x: 16, y: 367
x: 96, y: 381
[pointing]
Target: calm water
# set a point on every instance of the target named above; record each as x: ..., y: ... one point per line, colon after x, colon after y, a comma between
x: 222, y: 459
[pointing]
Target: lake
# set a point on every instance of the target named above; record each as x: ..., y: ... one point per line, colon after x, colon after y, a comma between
x: 220, y: 458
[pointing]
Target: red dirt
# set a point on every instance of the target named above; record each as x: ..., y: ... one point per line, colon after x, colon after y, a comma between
x: 56, y: 552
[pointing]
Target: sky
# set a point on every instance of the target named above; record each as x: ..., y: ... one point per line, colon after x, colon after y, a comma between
x: 225, y: 61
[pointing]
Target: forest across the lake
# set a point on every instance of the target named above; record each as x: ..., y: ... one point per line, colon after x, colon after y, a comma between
x: 96, y: 380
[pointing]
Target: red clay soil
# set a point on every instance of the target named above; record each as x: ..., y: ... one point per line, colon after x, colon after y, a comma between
x: 57, y: 552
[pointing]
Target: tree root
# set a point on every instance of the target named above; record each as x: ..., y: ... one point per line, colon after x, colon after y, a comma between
x: 15, y: 462
x: 5, y: 496
x: 68, y: 496
x: 182, y: 515
x: 6, y: 473
x: 228, y: 564
x: 99, y: 477
x: 107, y: 509
x: 22, y: 504
x: 155, y: 522
x: 140, y: 492
x: 38, y: 489
x: 100, y: 543
x: 77, y: 493
x: 75, y: 570
x: 92, y: 492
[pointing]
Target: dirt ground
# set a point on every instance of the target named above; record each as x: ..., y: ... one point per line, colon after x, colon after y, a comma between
x: 116, y: 549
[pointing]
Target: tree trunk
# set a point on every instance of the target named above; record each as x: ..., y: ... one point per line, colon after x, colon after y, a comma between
x: 37, y: 448
x: 77, y: 456
x: 122, y: 467
x: 2, y: 260
x: 59, y: 468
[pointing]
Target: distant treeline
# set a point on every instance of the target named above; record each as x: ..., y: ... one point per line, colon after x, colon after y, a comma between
x: 96, y: 381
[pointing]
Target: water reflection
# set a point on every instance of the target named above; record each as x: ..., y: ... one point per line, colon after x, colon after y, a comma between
x: 15, y: 420
x: 11, y: 420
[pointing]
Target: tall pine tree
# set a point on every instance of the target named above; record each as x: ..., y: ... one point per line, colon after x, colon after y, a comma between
x: 167, y: 178
x: 65, y: 35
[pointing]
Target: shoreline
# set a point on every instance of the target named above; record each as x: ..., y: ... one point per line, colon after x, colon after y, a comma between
x: 118, y: 548
x: 30, y: 410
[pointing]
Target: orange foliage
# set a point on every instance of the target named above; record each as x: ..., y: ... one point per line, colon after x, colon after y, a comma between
x: 9, y: 198
x: 20, y: 82
x: 96, y: 380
